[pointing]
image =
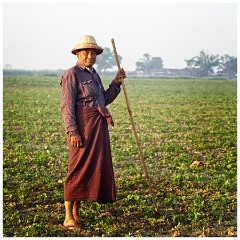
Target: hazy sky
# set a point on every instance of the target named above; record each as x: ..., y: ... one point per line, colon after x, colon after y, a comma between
x: 41, y: 36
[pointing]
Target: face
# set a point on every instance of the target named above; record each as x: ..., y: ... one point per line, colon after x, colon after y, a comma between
x: 87, y: 57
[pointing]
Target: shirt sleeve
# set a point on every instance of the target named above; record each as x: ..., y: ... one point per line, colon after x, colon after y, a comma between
x: 111, y: 93
x: 68, y: 102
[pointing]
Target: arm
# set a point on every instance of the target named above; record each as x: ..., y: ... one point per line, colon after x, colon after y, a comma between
x: 111, y: 93
x: 68, y: 101
x: 114, y: 88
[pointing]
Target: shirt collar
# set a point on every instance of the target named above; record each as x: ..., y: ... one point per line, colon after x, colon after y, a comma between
x: 83, y: 68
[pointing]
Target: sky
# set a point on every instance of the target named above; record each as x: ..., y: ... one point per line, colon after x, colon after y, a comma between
x: 42, y: 35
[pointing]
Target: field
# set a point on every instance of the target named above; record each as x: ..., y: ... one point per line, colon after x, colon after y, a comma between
x: 179, y: 121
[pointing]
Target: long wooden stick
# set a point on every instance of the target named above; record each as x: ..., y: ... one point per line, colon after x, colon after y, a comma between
x: 135, y: 132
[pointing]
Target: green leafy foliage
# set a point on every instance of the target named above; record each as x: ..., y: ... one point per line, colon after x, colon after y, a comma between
x: 149, y: 64
x: 206, y: 64
x: 178, y: 122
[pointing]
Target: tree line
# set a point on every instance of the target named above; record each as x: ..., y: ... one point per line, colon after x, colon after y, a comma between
x: 209, y: 64
x: 202, y: 65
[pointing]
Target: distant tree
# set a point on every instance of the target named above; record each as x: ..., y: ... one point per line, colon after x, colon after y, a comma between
x: 149, y: 64
x: 204, y: 63
x: 156, y: 64
x: 228, y: 65
x: 142, y: 64
x: 106, y: 60
x: 8, y: 66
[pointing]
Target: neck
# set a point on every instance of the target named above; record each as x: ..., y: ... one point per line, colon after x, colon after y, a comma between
x: 90, y: 69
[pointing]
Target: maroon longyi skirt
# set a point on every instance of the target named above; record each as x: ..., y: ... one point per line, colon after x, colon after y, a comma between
x: 90, y: 170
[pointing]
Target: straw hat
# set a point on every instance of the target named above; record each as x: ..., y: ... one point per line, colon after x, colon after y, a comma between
x: 87, y: 42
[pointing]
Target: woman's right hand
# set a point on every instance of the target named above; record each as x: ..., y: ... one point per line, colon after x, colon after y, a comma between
x: 76, y: 141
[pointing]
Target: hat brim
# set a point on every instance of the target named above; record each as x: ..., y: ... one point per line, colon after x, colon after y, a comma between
x: 98, y: 49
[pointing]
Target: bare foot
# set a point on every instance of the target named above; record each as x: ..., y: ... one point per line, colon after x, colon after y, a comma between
x: 76, y: 218
x: 72, y: 225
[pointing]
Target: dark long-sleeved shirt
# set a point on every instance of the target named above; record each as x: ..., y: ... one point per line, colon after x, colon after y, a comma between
x: 80, y: 87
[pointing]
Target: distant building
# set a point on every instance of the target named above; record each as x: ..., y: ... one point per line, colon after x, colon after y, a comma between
x: 185, y: 72
x: 166, y: 72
